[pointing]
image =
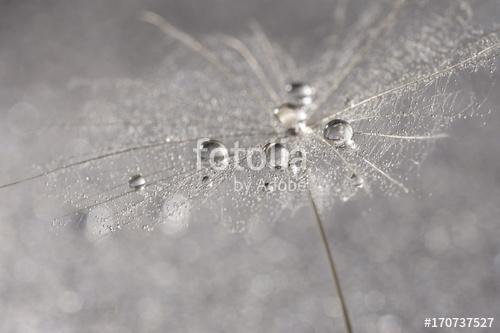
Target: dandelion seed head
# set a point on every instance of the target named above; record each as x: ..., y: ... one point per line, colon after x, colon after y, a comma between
x: 400, y: 80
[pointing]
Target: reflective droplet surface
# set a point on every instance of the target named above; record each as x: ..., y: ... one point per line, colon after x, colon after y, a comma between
x: 277, y: 155
x: 340, y: 132
x: 137, y: 182
x: 213, y: 151
x: 290, y: 115
x: 300, y: 92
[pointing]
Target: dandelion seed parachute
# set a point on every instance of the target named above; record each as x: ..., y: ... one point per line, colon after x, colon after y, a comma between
x: 400, y: 81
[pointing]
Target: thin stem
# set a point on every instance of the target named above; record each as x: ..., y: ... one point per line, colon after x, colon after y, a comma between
x: 333, y: 270
x: 116, y: 153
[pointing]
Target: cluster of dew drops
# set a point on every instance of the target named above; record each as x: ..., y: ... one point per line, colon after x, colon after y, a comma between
x: 292, y: 117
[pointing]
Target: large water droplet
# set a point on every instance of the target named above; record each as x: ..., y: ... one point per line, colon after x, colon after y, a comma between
x: 213, y: 150
x: 137, y: 182
x: 290, y: 115
x: 340, y: 132
x: 300, y: 92
x: 277, y: 155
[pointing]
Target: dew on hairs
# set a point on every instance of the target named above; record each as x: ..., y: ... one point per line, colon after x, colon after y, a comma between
x: 96, y: 223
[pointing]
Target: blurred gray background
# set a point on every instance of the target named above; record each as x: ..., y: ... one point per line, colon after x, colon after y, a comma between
x: 431, y: 254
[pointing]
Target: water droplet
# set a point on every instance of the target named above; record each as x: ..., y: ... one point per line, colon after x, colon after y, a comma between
x: 277, y: 155
x: 268, y: 187
x: 213, y: 150
x: 340, y: 132
x: 137, y: 182
x: 357, y: 181
x: 290, y: 115
x: 301, y: 93
x: 207, y: 181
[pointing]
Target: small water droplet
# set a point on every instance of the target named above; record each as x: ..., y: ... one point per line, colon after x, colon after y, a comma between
x: 357, y: 181
x: 301, y: 93
x: 340, y: 132
x: 277, y: 155
x: 290, y: 115
x: 213, y: 150
x: 268, y: 187
x: 207, y: 181
x: 137, y: 182
x: 348, y: 102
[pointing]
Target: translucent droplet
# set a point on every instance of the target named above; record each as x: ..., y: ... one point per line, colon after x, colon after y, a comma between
x: 301, y: 93
x: 290, y: 115
x: 277, y: 155
x: 340, y: 132
x: 137, y: 182
x: 207, y: 181
x: 213, y: 150
x: 357, y: 181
